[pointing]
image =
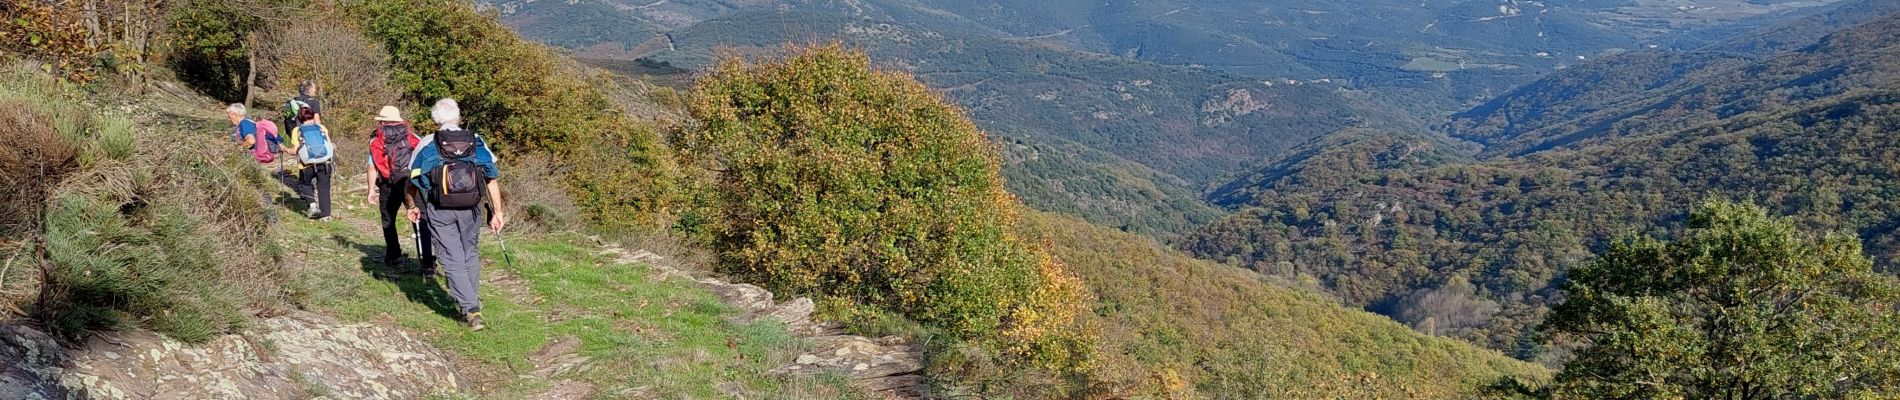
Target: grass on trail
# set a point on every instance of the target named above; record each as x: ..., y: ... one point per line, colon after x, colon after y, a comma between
x: 644, y: 339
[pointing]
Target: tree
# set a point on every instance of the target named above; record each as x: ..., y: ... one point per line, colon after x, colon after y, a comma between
x: 1741, y: 306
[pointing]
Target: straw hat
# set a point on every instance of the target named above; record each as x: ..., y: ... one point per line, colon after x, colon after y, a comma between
x: 389, y: 114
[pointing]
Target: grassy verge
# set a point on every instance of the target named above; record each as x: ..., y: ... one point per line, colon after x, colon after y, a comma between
x: 642, y: 338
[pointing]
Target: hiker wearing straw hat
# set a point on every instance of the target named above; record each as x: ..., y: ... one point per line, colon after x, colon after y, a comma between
x: 392, y: 143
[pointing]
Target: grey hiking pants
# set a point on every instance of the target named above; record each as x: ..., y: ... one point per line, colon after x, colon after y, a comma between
x: 456, y: 234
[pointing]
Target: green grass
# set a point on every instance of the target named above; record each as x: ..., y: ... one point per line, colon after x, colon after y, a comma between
x: 644, y: 338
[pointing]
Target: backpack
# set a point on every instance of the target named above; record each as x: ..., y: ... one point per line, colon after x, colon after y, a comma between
x: 291, y: 109
x: 260, y: 148
x: 267, y: 130
x: 316, y: 150
x: 397, y: 150
x: 460, y: 179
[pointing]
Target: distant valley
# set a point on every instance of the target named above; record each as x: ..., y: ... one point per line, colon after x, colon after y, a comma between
x: 1465, y: 162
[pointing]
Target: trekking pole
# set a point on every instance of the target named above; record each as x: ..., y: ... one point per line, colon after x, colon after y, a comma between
x: 415, y: 232
x: 505, y: 257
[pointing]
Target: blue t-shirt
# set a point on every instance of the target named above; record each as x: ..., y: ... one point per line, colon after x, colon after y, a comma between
x: 245, y: 129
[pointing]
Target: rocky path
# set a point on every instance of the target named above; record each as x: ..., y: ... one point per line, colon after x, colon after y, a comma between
x: 296, y: 356
x: 888, y: 366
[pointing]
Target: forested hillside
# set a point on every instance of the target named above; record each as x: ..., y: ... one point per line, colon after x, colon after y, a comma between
x: 1428, y: 57
x: 1070, y: 119
x: 1178, y: 327
x: 1474, y: 249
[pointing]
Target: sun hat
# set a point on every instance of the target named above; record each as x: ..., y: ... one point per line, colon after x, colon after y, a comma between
x: 389, y: 114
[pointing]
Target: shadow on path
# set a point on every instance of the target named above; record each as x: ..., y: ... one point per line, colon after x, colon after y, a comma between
x: 419, y: 288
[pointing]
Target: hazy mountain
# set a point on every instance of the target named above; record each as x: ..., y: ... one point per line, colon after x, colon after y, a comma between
x: 1801, y: 132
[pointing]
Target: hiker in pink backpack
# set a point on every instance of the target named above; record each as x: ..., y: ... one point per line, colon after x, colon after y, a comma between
x: 259, y: 137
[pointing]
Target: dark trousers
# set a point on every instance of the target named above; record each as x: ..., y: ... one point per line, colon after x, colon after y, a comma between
x: 390, y: 195
x: 313, y: 184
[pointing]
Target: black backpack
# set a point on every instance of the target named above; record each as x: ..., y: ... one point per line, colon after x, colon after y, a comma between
x: 396, y: 149
x: 461, y: 181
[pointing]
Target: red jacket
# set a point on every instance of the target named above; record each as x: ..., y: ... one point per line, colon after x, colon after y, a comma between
x: 379, y: 158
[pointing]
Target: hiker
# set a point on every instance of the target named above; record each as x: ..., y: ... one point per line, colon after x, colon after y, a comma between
x: 453, y: 171
x: 246, y: 133
x: 314, y: 150
x: 306, y: 98
x: 256, y: 136
x: 391, y: 146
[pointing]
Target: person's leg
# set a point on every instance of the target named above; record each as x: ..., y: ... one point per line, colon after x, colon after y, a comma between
x: 389, y: 205
x: 454, y: 230
x: 306, y: 179
x: 324, y: 173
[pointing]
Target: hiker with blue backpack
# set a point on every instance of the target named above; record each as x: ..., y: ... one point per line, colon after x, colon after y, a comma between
x: 311, y: 142
x: 450, y: 175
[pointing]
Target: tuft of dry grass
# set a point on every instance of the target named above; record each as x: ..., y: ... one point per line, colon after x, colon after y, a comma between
x: 34, y: 159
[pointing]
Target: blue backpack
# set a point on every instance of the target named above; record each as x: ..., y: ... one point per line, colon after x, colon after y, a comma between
x: 316, y: 150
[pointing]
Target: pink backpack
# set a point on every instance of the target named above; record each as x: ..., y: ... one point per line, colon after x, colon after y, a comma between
x: 265, y: 150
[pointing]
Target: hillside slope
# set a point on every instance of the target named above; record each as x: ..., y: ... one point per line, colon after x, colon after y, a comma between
x: 1799, y: 133
x: 1173, y: 320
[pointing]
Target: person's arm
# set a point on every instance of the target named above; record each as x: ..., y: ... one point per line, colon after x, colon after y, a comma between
x: 498, y: 218
x: 409, y: 199
x: 369, y: 184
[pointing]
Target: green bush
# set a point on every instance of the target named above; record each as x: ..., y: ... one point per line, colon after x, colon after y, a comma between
x: 1742, y: 305
x: 841, y: 181
x: 210, y: 44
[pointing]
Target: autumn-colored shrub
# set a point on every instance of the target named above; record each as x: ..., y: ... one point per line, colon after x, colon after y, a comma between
x: 838, y: 180
x: 49, y: 31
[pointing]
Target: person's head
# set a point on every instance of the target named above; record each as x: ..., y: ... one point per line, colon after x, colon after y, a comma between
x: 446, y: 112
x: 306, y: 115
x: 235, y: 112
x: 307, y: 88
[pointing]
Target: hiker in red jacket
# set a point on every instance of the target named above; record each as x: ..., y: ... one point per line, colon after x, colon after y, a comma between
x: 392, y: 145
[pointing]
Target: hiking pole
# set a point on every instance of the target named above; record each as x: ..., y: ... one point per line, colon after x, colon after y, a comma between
x: 415, y: 232
x: 505, y: 257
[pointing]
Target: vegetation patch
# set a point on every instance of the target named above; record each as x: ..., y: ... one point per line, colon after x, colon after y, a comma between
x: 837, y: 180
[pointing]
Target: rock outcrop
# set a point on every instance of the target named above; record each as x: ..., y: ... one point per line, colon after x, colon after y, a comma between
x: 887, y: 366
x: 297, y: 356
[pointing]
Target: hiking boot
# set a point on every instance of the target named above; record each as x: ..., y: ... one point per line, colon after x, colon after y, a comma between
x: 475, y: 321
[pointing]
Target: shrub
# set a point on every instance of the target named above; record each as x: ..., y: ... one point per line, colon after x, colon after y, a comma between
x: 1741, y: 305
x: 210, y: 42
x: 352, y: 72
x: 838, y: 180
x: 48, y: 31
x: 34, y: 159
